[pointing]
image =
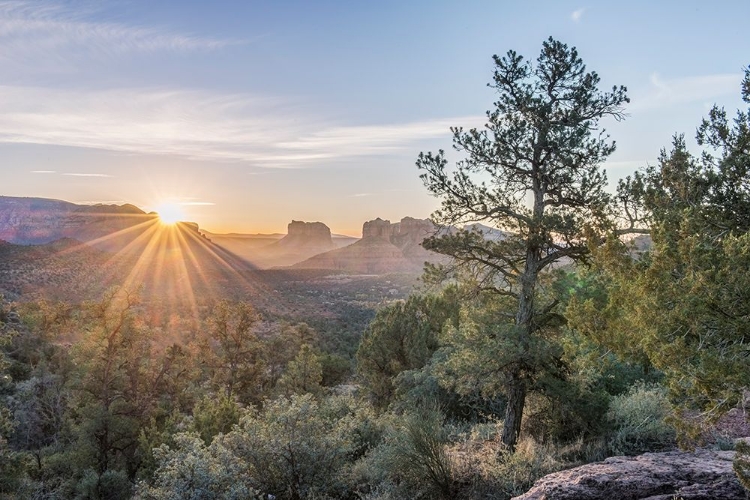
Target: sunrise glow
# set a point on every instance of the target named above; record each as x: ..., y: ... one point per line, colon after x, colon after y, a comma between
x: 170, y: 213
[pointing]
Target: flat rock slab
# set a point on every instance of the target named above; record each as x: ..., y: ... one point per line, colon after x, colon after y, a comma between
x: 700, y: 475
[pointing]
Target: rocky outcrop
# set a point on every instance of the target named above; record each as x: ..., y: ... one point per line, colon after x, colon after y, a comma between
x: 33, y: 220
x: 385, y: 247
x: 303, y: 240
x: 409, y: 234
x: 702, y: 475
x: 307, y: 234
x: 378, y: 228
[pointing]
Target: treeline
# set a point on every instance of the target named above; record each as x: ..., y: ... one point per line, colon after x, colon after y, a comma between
x: 566, y: 341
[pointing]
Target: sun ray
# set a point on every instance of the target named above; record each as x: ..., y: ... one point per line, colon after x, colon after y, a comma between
x: 193, y: 260
x: 186, y: 286
x: 143, y: 260
x: 142, y: 238
x: 254, y: 288
x: 175, y: 266
x: 108, y: 237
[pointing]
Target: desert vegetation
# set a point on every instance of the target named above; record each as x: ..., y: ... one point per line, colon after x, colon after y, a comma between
x: 564, y: 342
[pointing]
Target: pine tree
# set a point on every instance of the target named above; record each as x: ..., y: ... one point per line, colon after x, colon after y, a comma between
x: 533, y: 171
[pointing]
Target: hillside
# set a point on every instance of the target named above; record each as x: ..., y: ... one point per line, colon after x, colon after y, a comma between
x: 33, y: 221
x: 173, y: 263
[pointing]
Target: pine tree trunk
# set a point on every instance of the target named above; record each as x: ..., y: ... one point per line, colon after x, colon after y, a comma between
x: 516, y: 389
x: 514, y: 411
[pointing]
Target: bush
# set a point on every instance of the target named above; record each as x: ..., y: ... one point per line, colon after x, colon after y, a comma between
x: 193, y: 471
x: 638, y: 418
x: 215, y: 415
x: 413, y: 462
x: 565, y: 414
x: 112, y: 485
x: 301, y: 448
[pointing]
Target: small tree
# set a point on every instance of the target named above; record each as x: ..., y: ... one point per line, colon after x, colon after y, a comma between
x: 303, y: 374
x: 403, y: 336
x: 534, y: 171
x: 235, y: 354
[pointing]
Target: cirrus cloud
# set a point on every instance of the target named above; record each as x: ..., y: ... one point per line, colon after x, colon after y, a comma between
x: 49, y: 30
x: 263, y: 131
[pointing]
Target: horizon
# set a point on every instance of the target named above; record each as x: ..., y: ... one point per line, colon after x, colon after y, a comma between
x: 247, y: 116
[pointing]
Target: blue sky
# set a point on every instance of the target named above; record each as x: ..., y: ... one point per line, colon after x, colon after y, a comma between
x: 251, y: 114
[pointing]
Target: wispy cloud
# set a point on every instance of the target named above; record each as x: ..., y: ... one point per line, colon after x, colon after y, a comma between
x: 661, y: 92
x: 83, y: 174
x: 576, y: 15
x: 374, y: 139
x: 49, y: 29
x: 265, y: 132
x: 43, y: 171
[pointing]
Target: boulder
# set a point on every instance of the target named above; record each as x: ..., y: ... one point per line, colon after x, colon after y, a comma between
x: 699, y: 475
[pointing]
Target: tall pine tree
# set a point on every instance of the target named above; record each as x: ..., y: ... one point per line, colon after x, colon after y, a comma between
x: 535, y: 172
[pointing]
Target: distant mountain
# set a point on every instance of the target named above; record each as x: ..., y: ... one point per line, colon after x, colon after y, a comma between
x: 302, y: 241
x: 33, y: 221
x: 384, y: 248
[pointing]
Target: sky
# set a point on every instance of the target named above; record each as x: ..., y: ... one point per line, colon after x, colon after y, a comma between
x: 249, y: 114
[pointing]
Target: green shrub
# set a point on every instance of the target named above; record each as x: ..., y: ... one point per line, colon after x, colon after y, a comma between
x: 215, y: 415
x: 112, y: 485
x: 193, y: 471
x: 638, y: 418
x: 302, y: 448
x: 413, y: 461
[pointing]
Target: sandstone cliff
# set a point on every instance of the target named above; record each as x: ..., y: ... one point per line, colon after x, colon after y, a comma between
x: 312, y: 236
x: 385, y: 247
x: 302, y: 241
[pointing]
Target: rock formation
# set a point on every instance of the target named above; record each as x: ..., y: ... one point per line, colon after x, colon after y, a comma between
x: 384, y: 248
x: 303, y: 240
x: 312, y: 235
x: 702, y: 475
x: 378, y: 228
x: 409, y: 234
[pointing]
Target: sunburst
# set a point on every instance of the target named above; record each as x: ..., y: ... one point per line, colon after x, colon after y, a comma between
x: 170, y: 261
x: 170, y: 213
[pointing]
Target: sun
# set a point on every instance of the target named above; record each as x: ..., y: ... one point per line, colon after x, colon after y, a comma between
x: 170, y: 213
